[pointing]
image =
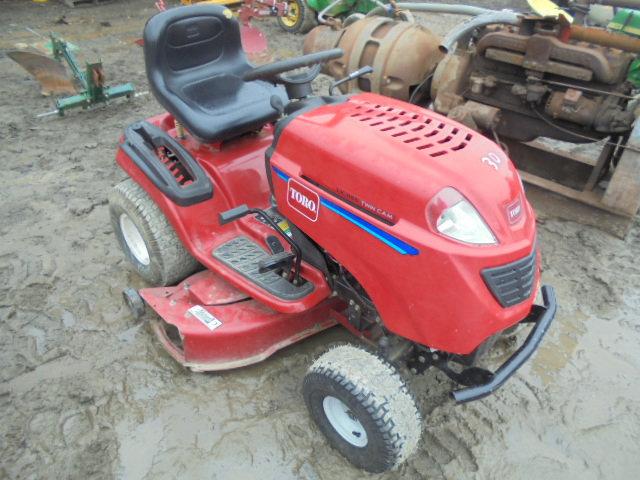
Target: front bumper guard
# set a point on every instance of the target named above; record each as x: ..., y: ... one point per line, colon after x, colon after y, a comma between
x: 541, y: 316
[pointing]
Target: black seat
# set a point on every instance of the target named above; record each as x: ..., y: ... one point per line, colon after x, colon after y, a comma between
x: 195, y: 62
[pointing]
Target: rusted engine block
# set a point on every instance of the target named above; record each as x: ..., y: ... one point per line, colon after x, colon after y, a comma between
x: 516, y: 83
x: 522, y: 81
x: 538, y: 82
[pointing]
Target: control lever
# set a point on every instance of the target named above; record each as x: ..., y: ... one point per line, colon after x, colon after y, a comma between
x: 352, y: 76
x: 233, y: 214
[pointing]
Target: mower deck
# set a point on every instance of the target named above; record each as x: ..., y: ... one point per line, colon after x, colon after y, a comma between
x: 207, y: 324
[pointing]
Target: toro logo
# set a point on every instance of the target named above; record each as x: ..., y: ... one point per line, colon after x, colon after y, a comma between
x: 302, y: 200
x: 514, y: 211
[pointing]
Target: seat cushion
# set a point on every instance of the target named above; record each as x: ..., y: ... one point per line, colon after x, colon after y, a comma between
x: 224, y: 106
x: 195, y: 63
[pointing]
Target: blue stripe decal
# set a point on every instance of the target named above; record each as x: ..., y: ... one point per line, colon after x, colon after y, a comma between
x: 281, y: 174
x: 395, y: 243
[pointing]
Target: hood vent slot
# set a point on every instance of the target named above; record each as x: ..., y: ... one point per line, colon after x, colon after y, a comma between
x: 427, y: 134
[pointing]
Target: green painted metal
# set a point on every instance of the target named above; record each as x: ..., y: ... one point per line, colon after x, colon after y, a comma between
x: 628, y: 21
x: 365, y: 6
x: 90, y: 81
x: 62, y: 52
x: 343, y: 8
x: 634, y: 73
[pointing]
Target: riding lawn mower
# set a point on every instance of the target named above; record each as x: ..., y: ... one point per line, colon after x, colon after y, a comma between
x: 260, y: 214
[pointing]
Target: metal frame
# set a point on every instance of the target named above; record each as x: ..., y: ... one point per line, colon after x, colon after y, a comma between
x: 91, y: 81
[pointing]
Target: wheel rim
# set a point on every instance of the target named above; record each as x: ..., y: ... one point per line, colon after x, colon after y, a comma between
x: 344, y: 421
x: 133, y: 239
x: 293, y: 14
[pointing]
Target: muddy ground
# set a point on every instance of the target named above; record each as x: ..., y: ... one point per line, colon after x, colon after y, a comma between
x: 88, y: 393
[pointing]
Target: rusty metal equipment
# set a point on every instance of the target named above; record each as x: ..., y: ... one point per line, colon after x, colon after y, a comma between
x: 51, y: 74
x: 402, y: 54
x: 544, y: 89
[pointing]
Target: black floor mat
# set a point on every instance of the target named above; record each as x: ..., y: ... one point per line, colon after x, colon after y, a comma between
x: 243, y: 256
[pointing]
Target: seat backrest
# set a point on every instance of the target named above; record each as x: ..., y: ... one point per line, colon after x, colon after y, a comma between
x: 186, y: 47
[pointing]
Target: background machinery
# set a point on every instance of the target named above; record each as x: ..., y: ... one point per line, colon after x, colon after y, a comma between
x: 88, y: 87
x: 297, y: 16
x: 559, y: 97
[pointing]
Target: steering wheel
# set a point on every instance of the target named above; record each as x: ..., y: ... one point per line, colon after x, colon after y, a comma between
x: 272, y: 72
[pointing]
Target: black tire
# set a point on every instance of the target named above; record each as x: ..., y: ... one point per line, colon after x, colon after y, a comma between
x: 167, y: 261
x: 373, y: 393
x: 305, y: 21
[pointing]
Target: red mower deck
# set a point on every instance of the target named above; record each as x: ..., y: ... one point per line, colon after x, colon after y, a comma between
x: 218, y: 327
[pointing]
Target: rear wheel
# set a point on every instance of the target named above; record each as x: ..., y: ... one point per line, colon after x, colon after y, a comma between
x: 146, y: 237
x: 300, y: 17
x: 363, y: 407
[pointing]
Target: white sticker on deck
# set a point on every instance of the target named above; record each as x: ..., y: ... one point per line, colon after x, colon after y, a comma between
x: 205, y: 317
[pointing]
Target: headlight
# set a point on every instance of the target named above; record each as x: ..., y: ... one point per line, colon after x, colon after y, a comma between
x: 453, y: 216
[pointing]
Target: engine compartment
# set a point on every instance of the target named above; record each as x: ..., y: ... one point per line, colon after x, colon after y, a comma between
x: 532, y: 75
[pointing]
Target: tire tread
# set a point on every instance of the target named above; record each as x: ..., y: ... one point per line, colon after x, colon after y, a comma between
x: 175, y: 262
x: 379, y: 389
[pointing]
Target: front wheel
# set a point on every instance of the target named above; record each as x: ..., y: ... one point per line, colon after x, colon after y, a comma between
x: 363, y: 407
x: 300, y: 17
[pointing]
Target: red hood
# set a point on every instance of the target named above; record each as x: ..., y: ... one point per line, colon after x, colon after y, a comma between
x: 369, y: 166
x: 412, y: 153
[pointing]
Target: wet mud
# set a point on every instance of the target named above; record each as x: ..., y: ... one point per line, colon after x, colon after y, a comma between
x: 86, y: 392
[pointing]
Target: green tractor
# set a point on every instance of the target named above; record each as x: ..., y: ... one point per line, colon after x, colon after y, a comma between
x: 303, y: 15
x: 628, y: 21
